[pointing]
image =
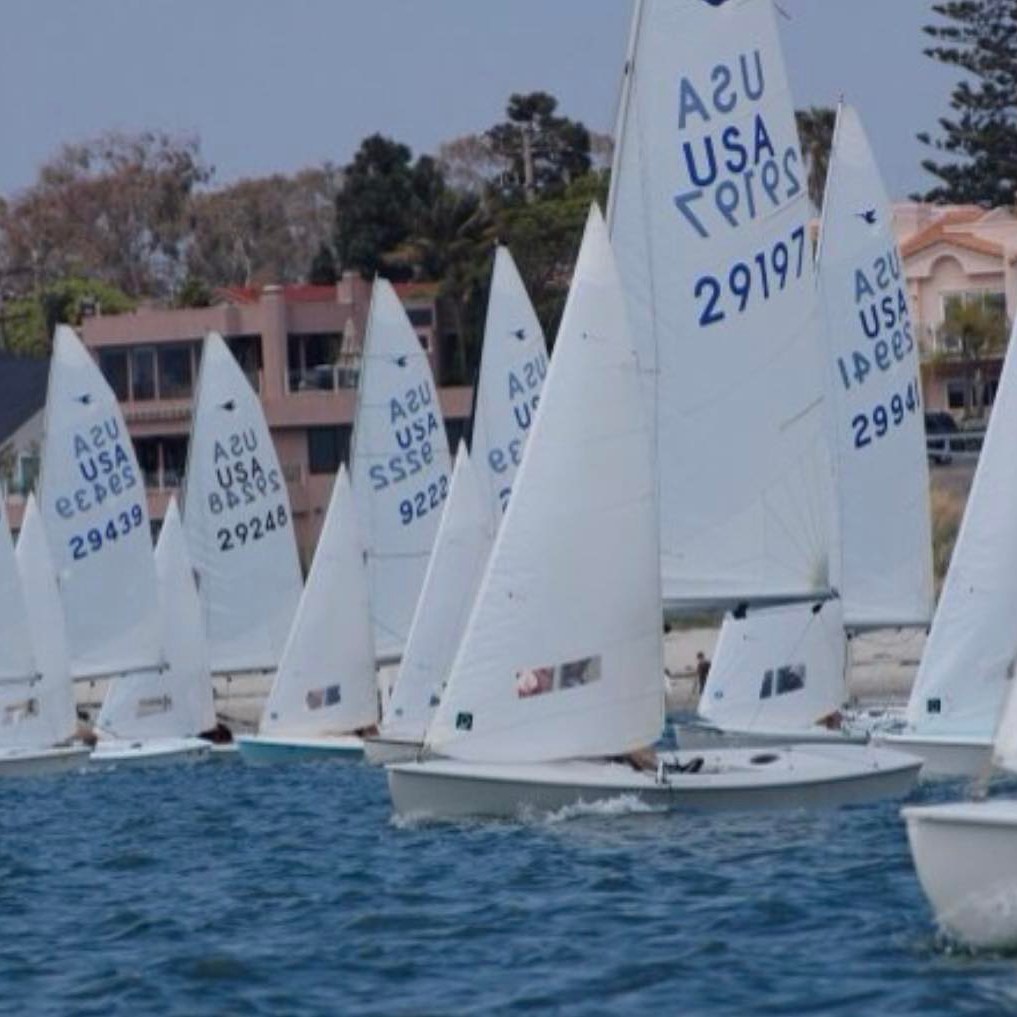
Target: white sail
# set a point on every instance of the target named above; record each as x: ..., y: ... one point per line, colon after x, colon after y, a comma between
x: 460, y: 553
x: 326, y: 680
x: 562, y: 652
x: 709, y: 221
x: 884, y: 574
x: 400, y: 466
x: 513, y: 366
x: 781, y: 669
x: 55, y: 716
x: 969, y: 655
x: 238, y: 520
x: 92, y: 497
x: 17, y: 659
x: 175, y: 702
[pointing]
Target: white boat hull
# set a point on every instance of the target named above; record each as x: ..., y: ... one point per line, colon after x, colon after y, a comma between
x: 965, y: 854
x: 941, y: 757
x: 270, y: 749
x: 155, y: 752
x: 381, y: 750
x: 800, y: 776
x: 702, y: 735
x: 16, y: 762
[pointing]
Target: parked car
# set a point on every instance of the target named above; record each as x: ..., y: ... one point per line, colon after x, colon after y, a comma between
x: 939, y: 424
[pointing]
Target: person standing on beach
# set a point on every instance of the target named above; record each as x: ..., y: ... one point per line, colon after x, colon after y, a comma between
x: 702, y: 670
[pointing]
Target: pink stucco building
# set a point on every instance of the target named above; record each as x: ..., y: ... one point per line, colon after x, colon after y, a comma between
x: 299, y: 345
x: 957, y: 253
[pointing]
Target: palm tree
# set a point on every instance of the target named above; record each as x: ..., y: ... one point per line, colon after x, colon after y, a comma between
x: 815, y: 132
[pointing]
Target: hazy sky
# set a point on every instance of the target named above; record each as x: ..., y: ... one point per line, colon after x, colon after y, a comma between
x: 271, y: 85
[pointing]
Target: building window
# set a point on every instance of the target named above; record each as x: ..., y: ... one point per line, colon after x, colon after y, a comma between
x: 142, y: 373
x: 420, y: 317
x: 113, y: 364
x: 246, y: 350
x: 175, y: 378
x: 955, y: 391
x: 312, y: 360
x: 991, y: 300
x: 455, y: 430
x: 174, y: 461
x: 147, y: 450
x: 327, y: 448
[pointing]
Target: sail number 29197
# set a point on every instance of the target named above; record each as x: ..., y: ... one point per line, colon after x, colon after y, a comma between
x: 766, y: 274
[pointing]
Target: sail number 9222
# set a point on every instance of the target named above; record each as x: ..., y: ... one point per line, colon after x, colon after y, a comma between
x: 423, y: 501
x: 767, y: 273
x: 871, y: 426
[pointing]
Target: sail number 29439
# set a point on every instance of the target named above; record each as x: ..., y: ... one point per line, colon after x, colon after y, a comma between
x: 766, y: 274
x: 93, y: 540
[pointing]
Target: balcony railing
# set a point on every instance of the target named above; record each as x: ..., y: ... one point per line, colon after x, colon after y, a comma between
x: 326, y: 377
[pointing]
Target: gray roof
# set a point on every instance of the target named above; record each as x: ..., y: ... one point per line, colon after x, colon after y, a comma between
x: 22, y: 390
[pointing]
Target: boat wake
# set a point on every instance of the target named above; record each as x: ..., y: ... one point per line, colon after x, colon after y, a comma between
x: 623, y: 805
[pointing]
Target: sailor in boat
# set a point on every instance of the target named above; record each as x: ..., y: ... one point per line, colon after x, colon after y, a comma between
x: 702, y: 670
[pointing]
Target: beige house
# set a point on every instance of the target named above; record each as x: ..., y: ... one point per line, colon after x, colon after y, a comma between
x: 959, y: 253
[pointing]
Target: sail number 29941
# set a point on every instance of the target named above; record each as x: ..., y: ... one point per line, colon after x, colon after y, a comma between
x: 766, y: 274
x: 877, y: 423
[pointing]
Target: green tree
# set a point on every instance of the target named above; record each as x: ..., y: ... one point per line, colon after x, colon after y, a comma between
x: 978, y: 141
x: 375, y: 205
x: 815, y: 134
x: 28, y: 321
x: 544, y: 239
x: 543, y: 152
x: 323, y: 270
x: 452, y: 244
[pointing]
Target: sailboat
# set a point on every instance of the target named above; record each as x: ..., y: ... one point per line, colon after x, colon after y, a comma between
x: 557, y: 685
x: 239, y: 527
x: 513, y: 366
x: 37, y: 714
x: 964, y: 852
x: 325, y: 693
x: 512, y: 370
x: 400, y: 466
x: 460, y: 553
x: 968, y: 661
x: 882, y: 563
x: 157, y: 716
x: 95, y: 515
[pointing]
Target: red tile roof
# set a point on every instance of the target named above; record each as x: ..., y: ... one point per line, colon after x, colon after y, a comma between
x: 944, y: 230
x: 293, y: 293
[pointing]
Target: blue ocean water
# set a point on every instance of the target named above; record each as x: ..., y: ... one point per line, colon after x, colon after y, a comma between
x: 223, y: 889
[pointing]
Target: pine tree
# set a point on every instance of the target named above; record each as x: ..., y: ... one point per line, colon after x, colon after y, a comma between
x: 979, y: 138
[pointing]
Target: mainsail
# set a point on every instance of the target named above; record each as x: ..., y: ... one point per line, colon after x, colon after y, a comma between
x: 95, y: 512
x: 55, y: 716
x: 884, y: 569
x: 326, y: 679
x: 881, y: 562
x: 238, y: 520
x: 175, y: 702
x: 562, y: 652
x: 969, y: 657
x: 709, y: 223
x: 513, y: 366
x: 400, y: 466
x: 460, y: 553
